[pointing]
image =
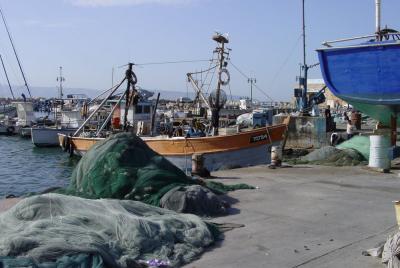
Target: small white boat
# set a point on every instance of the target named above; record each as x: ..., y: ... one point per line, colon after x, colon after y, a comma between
x: 8, y: 129
x: 47, y: 136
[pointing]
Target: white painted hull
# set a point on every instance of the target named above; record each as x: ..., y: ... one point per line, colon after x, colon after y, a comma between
x: 246, y: 157
x: 25, y: 132
x: 47, y: 137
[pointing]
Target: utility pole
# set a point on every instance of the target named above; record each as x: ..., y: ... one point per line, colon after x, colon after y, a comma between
x: 251, y: 81
x: 61, y: 79
x: 305, y: 67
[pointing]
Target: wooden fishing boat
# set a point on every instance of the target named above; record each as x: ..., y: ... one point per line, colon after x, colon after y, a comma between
x: 241, y: 149
x: 213, y: 150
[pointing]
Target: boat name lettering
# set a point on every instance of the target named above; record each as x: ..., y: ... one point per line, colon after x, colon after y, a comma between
x: 258, y: 138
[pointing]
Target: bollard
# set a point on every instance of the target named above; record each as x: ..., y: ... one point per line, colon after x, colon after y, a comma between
x: 198, y: 166
x: 276, y: 156
x: 197, y: 163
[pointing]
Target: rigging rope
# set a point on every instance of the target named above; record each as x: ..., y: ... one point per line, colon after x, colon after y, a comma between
x: 209, y: 68
x: 170, y: 62
x: 15, y: 51
x: 286, y: 60
x: 255, y: 85
x: 10, y: 66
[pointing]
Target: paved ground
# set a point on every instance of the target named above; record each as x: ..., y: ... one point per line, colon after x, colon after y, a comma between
x: 305, y: 217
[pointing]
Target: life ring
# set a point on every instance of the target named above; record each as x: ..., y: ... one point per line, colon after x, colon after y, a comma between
x: 228, y: 77
x: 10, y: 130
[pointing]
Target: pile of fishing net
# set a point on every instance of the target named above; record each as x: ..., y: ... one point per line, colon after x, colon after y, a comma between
x: 359, y: 143
x: 331, y: 156
x: 54, y: 230
x: 124, y: 167
x: 389, y: 251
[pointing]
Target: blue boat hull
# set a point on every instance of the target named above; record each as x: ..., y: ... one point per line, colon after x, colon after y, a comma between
x: 367, y: 76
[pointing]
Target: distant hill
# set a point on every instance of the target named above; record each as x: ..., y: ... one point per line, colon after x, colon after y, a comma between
x: 45, y: 92
x: 50, y: 92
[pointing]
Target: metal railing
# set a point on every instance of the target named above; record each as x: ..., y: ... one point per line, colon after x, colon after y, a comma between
x: 381, y: 37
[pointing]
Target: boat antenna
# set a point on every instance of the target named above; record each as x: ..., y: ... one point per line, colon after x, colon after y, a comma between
x: 15, y: 51
x: 8, y: 80
x: 305, y: 67
x: 378, y: 19
x: 61, y: 79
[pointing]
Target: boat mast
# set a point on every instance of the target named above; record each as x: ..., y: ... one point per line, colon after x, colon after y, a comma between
x: 378, y: 19
x: 8, y: 80
x: 61, y: 79
x: 131, y: 95
x: 15, y: 52
x: 216, y: 106
x: 305, y: 67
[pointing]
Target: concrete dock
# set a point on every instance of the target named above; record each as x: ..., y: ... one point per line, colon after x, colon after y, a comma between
x: 302, y: 216
x: 305, y: 216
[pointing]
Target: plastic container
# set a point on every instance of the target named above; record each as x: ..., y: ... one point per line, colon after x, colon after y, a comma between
x: 397, y: 209
x: 379, y: 152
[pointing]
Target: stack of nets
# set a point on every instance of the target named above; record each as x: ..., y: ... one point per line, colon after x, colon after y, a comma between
x: 53, y: 230
x: 331, y: 156
x: 388, y: 251
x: 124, y: 167
x: 359, y: 143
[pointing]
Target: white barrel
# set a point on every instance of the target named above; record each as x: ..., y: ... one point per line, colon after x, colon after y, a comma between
x: 379, y: 152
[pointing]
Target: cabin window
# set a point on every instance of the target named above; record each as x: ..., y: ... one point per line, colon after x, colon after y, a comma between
x: 146, y: 109
x: 139, y: 109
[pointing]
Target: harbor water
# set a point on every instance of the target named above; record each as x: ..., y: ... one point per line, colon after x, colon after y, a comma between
x: 25, y: 168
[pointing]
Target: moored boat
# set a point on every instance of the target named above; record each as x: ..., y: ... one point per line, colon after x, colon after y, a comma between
x: 8, y: 129
x: 48, y: 136
x: 240, y: 149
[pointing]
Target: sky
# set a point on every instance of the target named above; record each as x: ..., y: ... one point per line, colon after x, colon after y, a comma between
x: 89, y: 38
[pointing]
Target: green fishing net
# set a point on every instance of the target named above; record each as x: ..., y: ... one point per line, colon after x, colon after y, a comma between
x: 56, y: 231
x: 124, y: 167
x: 358, y: 143
x: 331, y: 156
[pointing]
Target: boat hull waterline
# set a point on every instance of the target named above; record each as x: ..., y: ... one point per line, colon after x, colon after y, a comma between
x: 242, y: 149
x: 48, y: 137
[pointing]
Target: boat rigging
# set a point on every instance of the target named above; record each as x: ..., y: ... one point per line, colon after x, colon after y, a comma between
x: 8, y: 80
x: 15, y: 51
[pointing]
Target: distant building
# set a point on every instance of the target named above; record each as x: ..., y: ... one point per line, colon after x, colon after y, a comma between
x: 315, y: 85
